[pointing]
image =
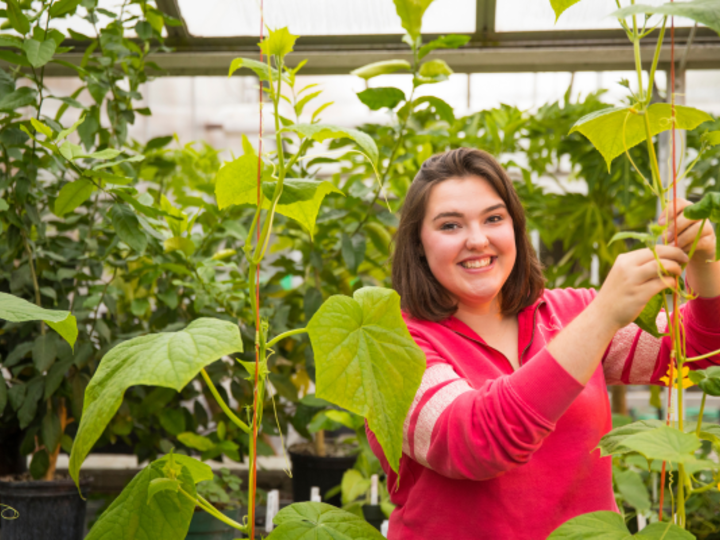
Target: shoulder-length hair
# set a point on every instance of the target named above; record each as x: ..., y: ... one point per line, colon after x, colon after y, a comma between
x: 422, y: 295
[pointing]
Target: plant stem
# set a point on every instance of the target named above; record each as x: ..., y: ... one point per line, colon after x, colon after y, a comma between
x: 703, y: 356
x: 210, y: 509
x: 227, y: 410
x: 700, y: 414
x: 656, y: 58
x: 286, y: 335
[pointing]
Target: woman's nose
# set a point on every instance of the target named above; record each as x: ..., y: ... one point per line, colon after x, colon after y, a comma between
x: 477, y: 241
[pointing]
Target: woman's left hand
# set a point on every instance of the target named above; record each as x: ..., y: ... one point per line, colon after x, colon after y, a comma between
x: 705, y: 250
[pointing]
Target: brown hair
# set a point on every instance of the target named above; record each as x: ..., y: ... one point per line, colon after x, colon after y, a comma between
x: 422, y: 295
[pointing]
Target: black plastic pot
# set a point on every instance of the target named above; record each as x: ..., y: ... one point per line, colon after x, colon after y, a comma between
x: 373, y: 515
x: 46, y: 510
x: 323, y: 472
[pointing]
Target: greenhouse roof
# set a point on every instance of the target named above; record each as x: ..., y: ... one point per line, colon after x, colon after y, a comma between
x: 341, y: 35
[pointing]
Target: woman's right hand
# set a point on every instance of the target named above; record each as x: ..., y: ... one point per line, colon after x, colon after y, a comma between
x: 634, y: 279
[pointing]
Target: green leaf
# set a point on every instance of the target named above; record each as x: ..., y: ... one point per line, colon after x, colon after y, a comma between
x: 51, y: 431
x: 261, y: 69
x: 158, y: 485
x: 367, y: 362
x: 42, y: 128
x: 3, y: 205
x: 561, y: 5
x: 321, y: 132
x: 236, y: 181
x: 3, y: 394
x: 135, y: 515
x: 108, y: 153
x: 65, y: 132
x: 433, y: 71
x: 711, y: 137
x: 179, y: 243
x: 632, y: 488
x: 127, y: 227
x: 381, y: 68
x: 300, y: 199
x: 22, y: 97
x: 321, y: 521
x: 72, y: 195
x: 170, y: 359
x: 642, y: 237
x: 109, y: 178
x: 70, y: 150
x: 611, y: 443
x: 198, y: 442
x: 16, y: 309
x: 607, y: 525
x: 378, y: 98
x: 707, y: 379
x: 39, y: 464
x: 199, y: 471
x: 411, y: 14
x: 353, y: 485
x: 17, y: 18
x: 39, y: 53
x: 664, y: 531
x: 442, y: 109
x: 604, y: 128
x: 64, y: 7
x: 44, y: 351
x: 707, y: 208
x: 664, y: 443
x: 452, y: 41
x: 173, y: 420
x: 353, y: 251
x: 647, y: 320
x: 278, y: 43
x: 705, y: 12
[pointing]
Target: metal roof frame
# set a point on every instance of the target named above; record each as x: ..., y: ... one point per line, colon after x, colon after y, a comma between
x: 487, y: 51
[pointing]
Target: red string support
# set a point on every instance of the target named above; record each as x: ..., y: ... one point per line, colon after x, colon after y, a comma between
x: 253, y: 440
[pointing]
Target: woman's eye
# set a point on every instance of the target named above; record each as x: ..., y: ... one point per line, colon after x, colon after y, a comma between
x: 495, y: 219
x: 448, y: 226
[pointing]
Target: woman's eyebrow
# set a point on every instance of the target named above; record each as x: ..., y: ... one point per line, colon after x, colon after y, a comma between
x: 460, y: 214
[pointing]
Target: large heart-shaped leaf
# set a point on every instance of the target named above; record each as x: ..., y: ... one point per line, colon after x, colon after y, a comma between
x: 280, y: 42
x: 16, y: 309
x: 611, y: 443
x: 707, y: 379
x: 705, y: 12
x: 236, y: 181
x: 367, y: 362
x: 604, y: 128
x: 664, y: 443
x: 170, y: 359
x: 321, y: 521
x: 321, y: 132
x: 133, y: 515
x: 606, y: 525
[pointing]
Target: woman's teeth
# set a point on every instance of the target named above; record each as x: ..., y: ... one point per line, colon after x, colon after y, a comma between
x: 477, y: 263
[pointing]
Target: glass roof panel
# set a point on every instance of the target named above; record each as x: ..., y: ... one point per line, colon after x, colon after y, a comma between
x: 524, y: 16
x: 225, y: 18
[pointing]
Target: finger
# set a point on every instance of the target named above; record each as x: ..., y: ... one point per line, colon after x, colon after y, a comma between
x: 652, y: 270
x: 654, y: 286
x: 671, y: 252
x: 686, y: 239
x: 670, y: 210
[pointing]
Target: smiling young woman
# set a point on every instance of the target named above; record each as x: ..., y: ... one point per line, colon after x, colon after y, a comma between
x: 500, y: 440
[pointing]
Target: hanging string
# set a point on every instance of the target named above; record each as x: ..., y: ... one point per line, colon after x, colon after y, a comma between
x: 673, y: 336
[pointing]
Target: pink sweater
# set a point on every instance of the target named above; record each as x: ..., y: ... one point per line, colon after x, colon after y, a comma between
x: 492, y: 453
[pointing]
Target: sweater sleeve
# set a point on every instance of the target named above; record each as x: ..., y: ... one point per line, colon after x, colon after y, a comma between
x: 637, y: 357
x: 481, y: 433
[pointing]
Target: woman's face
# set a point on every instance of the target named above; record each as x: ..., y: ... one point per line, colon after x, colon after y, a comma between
x: 469, y: 242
